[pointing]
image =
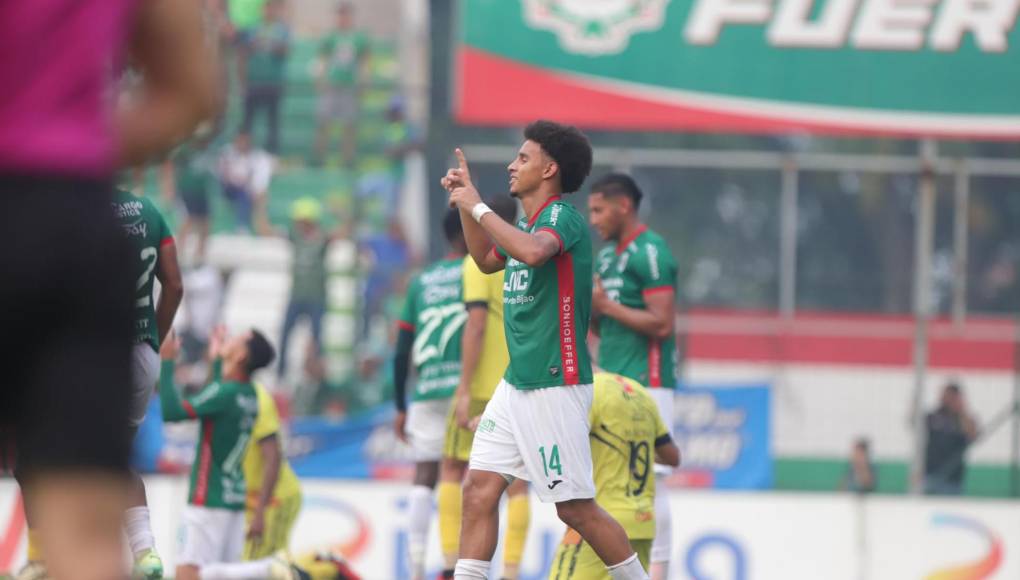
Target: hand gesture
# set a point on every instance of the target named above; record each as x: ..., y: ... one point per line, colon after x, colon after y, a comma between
x: 217, y: 340
x: 457, y: 181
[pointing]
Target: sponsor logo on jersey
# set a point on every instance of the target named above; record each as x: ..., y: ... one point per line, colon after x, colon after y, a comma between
x: 441, y: 293
x: 127, y: 209
x: 595, y: 27
x: 554, y: 215
x: 653, y: 260
x: 139, y: 229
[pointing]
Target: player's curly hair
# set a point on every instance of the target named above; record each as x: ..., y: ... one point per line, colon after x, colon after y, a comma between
x: 568, y: 147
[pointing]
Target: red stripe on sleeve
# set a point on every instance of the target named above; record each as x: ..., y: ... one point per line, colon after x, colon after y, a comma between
x: 555, y: 233
x: 656, y: 290
x: 404, y: 325
x: 495, y: 252
x: 204, y: 463
x: 189, y: 409
x: 166, y: 241
x: 568, y: 331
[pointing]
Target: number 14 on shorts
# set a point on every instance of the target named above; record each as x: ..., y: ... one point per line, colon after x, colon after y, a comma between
x: 551, y: 462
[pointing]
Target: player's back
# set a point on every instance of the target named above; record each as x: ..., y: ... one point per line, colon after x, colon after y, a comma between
x: 146, y: 230
x: 217, y: 477
x: 480, y: 287
x: 59, y: 58
x: 625, y: 425
x: 435, y: 312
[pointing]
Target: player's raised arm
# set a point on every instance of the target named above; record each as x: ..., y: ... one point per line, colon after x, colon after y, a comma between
x: 209, y: 402
x: 483, y: 229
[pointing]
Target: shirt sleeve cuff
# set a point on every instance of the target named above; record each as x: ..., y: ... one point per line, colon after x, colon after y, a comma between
x: 556, y: 235
x: 656, y: 290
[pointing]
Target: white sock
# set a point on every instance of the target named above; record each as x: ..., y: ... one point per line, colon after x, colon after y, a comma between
x: 629, y: 569
x: 419, y: 511
x: 257, y: 570
x: 139, y: 530
x: 471, y: 570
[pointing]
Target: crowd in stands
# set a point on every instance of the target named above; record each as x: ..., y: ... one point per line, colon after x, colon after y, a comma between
x: 311, y: 149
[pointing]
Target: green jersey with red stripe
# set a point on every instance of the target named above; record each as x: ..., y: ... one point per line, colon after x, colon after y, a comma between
x: 147, y: 231
x: 434, y: 311
x: 630, y: 271
x: 227, y: 411
x: 546, y: 309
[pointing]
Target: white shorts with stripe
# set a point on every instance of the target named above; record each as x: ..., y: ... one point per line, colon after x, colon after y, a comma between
x: 539, y: 435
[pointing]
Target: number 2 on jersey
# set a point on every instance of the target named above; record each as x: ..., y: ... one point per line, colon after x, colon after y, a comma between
x: 148, y: 256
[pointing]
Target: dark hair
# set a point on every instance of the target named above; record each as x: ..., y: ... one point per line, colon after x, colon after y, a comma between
x: 618, y: 185
x: 864, y: 443
x: 260, y: 352
x: 452, y: 226
x: 568, y: 147
x: 504, y: 206
x: 953, y: 386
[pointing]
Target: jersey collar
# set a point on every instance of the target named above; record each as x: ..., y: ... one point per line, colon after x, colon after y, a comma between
x: 534, y: 218
x: 624, y: 243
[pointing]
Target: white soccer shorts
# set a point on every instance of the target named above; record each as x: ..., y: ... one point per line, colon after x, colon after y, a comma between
x: 426, y: 428
x: 144, y: 376
x: 210, y: 535
x: 539, y: 435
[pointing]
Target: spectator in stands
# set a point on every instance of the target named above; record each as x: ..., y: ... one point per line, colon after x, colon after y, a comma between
x: 951, y: 429
x: 264, y: 51
x: 386, y: 257
x: 186, y: 178
x: 201, y: 310
x: 309, y: 244
x: 860, y: 474
x: 343, y: 55
x: 400, y: 139
x: 245, y: 173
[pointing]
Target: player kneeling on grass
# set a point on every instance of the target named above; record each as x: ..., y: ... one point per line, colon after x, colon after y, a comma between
x: 212, y: 534
x: 627, y: 438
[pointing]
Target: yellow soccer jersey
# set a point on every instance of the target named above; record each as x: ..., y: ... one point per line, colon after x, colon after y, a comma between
x: 625, y: 426
x: 487, y: 288
x: 267, y: 423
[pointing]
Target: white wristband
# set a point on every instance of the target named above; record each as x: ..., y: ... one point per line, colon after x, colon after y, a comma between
x: 479, y: 210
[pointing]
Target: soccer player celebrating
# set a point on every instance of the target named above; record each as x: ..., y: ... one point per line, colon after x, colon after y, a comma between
x: 627, y: 437
x: 430, y: 337
x: 634, y: 308
x: 213, y: 529
x: 483, y: 361
x: 535, y: 427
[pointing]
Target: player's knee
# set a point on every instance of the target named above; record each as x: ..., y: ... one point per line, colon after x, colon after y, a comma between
x: 452, y: 470
x: 426, y: 473
x: 480, y: 496
x: 576, y: 513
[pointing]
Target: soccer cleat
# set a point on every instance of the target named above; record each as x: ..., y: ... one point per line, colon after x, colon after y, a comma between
x: 148, y: 566
x: 281, y: 569
x: 33, y: 571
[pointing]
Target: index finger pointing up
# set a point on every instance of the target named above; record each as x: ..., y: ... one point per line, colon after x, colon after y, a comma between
x: 461, y: 160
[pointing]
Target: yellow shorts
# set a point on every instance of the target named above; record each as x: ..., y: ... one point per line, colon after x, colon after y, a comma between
x: 281, y: 515
x: 576, y: 560
x: 458, y: 440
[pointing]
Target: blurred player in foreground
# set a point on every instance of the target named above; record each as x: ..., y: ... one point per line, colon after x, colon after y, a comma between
x: 627, y: 437
x: 633, y: 303
x: 430, y: 338
x: 484, y: 359
x: 67, y: 288
x: 212, y: 534
x: 535, y: 427
x: 154, y: 256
